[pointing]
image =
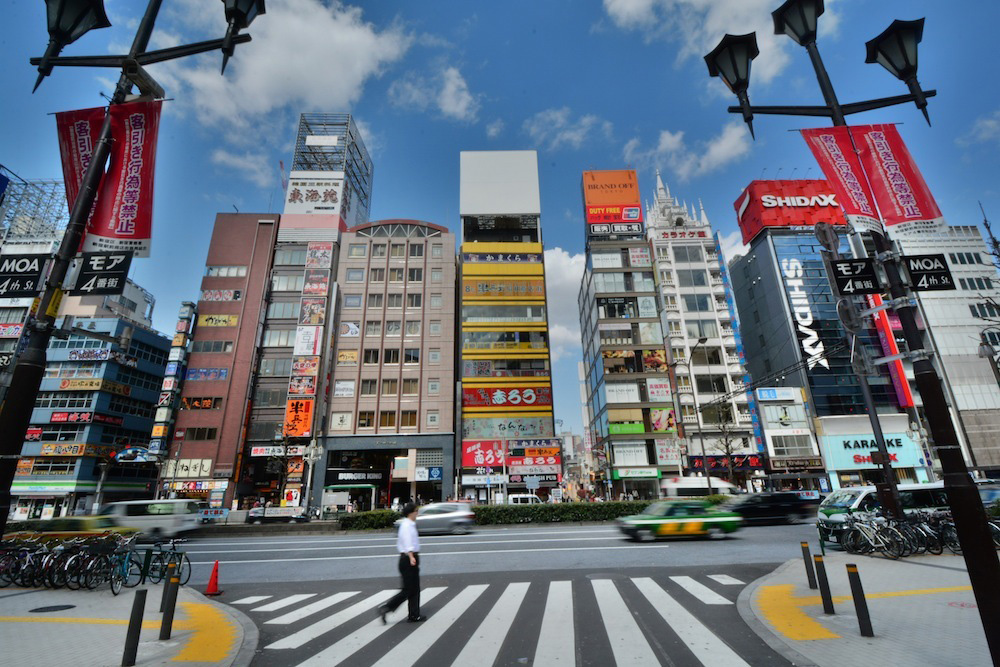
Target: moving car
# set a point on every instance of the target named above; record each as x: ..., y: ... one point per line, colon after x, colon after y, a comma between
x: 836, y: 506
x: 157, y: 519
x: 69, y: 526
x: 680, y: 518
x: 523, y: 499
x: 694, y: 486
x: 454, y: 518
x: 772, y: 506
x: 277, y: 514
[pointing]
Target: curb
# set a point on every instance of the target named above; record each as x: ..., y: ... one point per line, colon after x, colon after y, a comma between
x: 251, y: 635
x: 746, y: 610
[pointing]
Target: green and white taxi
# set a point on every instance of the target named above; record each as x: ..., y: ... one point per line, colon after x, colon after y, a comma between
x: 680, y: 518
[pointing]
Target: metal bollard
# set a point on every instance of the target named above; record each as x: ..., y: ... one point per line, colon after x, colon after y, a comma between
x: 146, y: 560
x: 166, y: 586
x: 134, y: 628
x: 824, y: 585
x: 167, y: 624
x: 809, y: 567
x: 860, y: 604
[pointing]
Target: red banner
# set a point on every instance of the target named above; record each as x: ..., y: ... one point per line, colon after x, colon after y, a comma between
x: 900, y: 191
x: 122, y: 217
x: 510, y: 397
x: 833, y: 149
x: 887, y: 338
x: 477, y: 453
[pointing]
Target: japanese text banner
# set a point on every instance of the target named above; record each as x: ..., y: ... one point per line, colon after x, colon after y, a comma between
x: 833, y: 149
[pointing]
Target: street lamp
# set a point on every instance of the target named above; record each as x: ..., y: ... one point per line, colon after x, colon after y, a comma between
x: 896, y: 50
x: 239, y: 15
x: 697, y: 412
x: 730, y: 61
x: 68, y: 21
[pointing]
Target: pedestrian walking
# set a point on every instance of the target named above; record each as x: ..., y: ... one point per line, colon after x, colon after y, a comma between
x: 408, y: 546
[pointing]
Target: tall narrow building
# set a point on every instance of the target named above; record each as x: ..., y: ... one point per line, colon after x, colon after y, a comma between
x: 507, y: 429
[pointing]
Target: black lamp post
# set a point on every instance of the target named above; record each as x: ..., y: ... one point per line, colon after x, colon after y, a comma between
x: 239, y: 15
x: 896, y: 50
x: 730, y: 61
x: 68, y: 20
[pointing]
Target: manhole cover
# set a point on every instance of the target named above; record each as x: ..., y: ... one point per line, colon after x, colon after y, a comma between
x: 55, y: 607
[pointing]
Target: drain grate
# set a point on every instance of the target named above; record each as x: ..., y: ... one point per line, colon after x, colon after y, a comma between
x: 55, y: 607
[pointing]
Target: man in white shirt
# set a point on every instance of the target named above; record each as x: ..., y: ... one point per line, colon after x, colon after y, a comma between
x: 408, y: 546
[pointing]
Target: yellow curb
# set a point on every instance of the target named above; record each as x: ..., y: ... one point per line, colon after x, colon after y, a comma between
x: 213, y: 634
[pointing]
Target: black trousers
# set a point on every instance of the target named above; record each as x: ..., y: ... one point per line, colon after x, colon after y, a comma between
x: 411, y: 586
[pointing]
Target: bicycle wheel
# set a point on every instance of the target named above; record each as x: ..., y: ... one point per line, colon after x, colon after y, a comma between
x: 6, y: 568
x: 950, y: 537
x: 890, y: 546
x: 117, y: 576
x: 73, y: 568
x: 934, y: 545
x: 97, y: 572
x: 134, y: 574
x: 182, y: 567
x: 157, y: 568
x: 995, y: 532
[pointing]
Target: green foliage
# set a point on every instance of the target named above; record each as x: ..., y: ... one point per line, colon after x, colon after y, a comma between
x: 369, y: 520
x: 993, y: 510
x: 716, y: 499
x: 555, y: 512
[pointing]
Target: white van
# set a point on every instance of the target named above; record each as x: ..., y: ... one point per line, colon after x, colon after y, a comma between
x: 156, y: 519
x: 835, y: 507
x: 523, y: 499
x: 687, y: 487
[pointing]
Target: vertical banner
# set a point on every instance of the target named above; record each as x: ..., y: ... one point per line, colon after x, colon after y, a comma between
x: 122, y: 217
x: 902, y: 195
x: 833, y: 149
x: 888, y: 341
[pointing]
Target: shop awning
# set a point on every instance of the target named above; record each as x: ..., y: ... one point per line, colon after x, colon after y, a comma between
x: 350, y: 486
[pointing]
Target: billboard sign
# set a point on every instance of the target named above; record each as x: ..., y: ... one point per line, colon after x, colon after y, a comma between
x: 505, y: 396
x: 611, y: 197
x: 482, y: 453
x: 786, y: 204
x: 299, y: 417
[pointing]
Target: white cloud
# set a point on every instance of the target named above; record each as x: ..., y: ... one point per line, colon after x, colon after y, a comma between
x: 986, y: 129
x: 671, y: 152
x: 446, y: 91
x: 563, y: 273
x: 556, y: 128
x: 252, y: 165
x: 732, y: 245
x: 494, y: 129
x: 698, y: 25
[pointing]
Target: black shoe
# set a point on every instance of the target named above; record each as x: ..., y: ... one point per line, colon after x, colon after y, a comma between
x: 381, y: 612
x: 417, y: 619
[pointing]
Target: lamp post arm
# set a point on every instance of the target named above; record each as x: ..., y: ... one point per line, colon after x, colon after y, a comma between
x: 882, y: 102
x: 183, y: 50
x: 82, y: 61
x: 825, y: 112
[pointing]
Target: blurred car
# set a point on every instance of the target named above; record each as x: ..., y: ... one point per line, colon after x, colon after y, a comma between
x: 277, y: 514
x: 71, y: 526
x: 680, y: 518
x: 773, y: 507
x: 454, y: 518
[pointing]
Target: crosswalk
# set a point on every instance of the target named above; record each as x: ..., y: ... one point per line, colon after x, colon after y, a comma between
x: 679, y: 620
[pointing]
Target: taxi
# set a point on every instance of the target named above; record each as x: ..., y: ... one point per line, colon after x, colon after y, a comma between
x: 681, y: 518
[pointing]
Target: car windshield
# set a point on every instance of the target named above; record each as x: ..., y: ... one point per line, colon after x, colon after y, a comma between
x: 656, y: 509
x: 841, y: 498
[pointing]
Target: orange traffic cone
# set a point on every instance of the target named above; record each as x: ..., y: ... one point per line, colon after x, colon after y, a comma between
x: 213, y: 581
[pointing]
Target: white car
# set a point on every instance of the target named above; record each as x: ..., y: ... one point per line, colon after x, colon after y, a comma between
x: 454, y: 518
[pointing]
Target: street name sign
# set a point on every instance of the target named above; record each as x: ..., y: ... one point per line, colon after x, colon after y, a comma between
x: 21, y: 275
x: 102, y: 273
x: 928, y: 272
x: 855, y: 276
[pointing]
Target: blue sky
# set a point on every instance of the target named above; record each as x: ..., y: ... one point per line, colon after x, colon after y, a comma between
x: 588, y: 84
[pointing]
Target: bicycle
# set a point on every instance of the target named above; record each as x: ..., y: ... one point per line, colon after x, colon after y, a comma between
x: 163, y: 558
x: 124, y: 570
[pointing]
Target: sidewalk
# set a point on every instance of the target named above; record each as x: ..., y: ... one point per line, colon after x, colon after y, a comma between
x: 922, y: 612
x: 88, y: 628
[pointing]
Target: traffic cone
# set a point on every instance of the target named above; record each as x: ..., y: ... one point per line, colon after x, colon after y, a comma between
x: 213, y: 581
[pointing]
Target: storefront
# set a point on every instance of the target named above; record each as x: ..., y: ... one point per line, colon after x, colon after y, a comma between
x: 641, y: 483
x: 211, y: 491
x: 849, y: 459
x: 364, y: 488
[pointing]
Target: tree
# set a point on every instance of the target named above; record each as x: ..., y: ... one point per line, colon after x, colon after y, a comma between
x: 728, y: 443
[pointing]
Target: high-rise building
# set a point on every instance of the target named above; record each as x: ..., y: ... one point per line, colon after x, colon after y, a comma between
x: 507, y: 428
x: 703, y: 345
x: 393, y: 371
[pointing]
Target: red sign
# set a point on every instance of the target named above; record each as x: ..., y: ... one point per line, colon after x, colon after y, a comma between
x: 33, y: 434
x: 834, y: 150
x: 883, y: 325
x: 519, y: 461
x: 71, y: 417
x: 10, y: 330
x: 506, y: 396
x: 477, y: 453
x: 786, y: 204
x: 108, y: 419
x: 740, y: 462
x: 122, y: 217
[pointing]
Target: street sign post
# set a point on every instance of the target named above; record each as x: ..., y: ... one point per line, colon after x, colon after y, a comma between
x: 101, y: 273
x: 855, y: 276
x: 21, y: 275
x: 928, y: 272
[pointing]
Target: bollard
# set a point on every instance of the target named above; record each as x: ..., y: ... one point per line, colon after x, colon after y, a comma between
x: 824, y: 585
x: 166, y: 586
x: 147, y: 559
x: 166, y: 625
x: 860, y: 604
x: 134, y: 628
x: 809, y: 568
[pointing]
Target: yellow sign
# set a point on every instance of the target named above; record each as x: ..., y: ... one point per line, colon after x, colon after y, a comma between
x: 218, y: 320
x: 503, y: 287
x: 159, y: 430
x: 54, y: 303
x: 180, y: 340
x: 95, y: 384
x: 76, y: 449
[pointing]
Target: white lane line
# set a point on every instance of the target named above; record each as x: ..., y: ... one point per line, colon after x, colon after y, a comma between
x: 382, y: 546
x: 628, y: 643
x: 705, y: 645
x: 413, y: 647
x: 424, y: 552
x: 250, y: 600
x: 318, y: 628
x: 310, y: 609
x: 725, y: 579
x: 700, y: 591
x: 285, y: 602
x: 557, y: 643
x: 484, y: 645
x: 390, y: 538
x: 351, y: 644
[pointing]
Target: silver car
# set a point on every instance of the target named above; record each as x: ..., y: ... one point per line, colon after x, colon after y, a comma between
x: 454, y: 518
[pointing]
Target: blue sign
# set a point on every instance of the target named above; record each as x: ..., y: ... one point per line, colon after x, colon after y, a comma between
x: 4, y: 182
x: 853, y: 452
x: 435, y: 474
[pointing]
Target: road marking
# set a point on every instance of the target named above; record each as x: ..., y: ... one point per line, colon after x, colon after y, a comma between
x: 351, y: 644
x: 310, y: 609
x: 425, y: 553
x: 285, y: 602
x: 213, y: 634
x: 410, y: 649
x: 484, y: 645
x: 390, y: 538
x: 382, y: 546
x: 250, y: 600
x: 557, y: 642
x: 628, y: 643
x: 701, y: 641
x: 725, y: 579
x: 318, y: 628
x: 700, y: 591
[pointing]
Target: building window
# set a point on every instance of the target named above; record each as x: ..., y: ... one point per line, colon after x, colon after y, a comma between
x: 356, y: 250
x: 436, y: 301
x: 278, y: 338
x: 374, y: 300
x: 201, y: 403
x: 683, y: 253
x: 387, y: 418
x: 415, y: 275
x: 397, y: 250
x: 352, y: 300
x: 434, y: 355
x: 12, y: 315
x: 437, y: 250
x: 396, y: 275
x: 416, y: 250
x: 434, y: 387
x: 436, y: 275
x: 378, y: 250
x: 355, y: 275
x: 412, y: 327
x: 692, y: 278
x: 697, y: 303
x: 373, y: 328
x: 411, y: 355
x: 435, y: 327
x: 433, y: 419
x: 391, y: 357
x: 64, y: 399
x: 395, y: 301
x: 408, y: 418
x: 371, y: 357
x: 283, y: 310
x: 393, y: 327
x: 366, y: 418
x: 411, y: 386
x: 225, y: 271
x: 376, y: 275
x: 290, y: 257
x: 369, y: 387
x: 390, y: 387
x: 201, y: 433
x: 414, y: 300
x: 275, y: 367
x: 287, y: 283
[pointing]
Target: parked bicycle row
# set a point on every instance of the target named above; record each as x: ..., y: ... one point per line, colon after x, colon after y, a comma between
x: 33, y: 561
x: 916, y: 533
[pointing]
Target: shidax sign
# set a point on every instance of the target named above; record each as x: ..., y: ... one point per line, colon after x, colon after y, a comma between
x: 798, y: 299
x: 772, y: 201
